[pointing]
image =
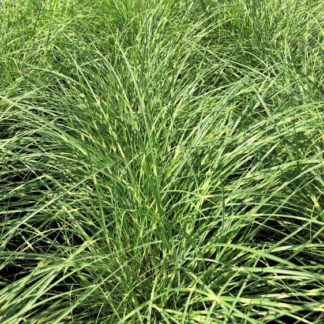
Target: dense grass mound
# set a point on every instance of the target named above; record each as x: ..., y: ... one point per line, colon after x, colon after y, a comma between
x: 161, y: 161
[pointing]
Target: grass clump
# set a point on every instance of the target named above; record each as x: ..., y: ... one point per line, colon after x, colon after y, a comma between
x: 161, y: 161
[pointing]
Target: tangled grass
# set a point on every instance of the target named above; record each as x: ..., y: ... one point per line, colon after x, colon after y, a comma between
x: 161, y: 161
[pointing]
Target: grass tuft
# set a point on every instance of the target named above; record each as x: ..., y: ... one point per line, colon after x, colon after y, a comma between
x: 161, y: 161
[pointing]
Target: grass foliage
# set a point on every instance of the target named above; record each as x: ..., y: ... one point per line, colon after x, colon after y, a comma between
x: 161, y: 161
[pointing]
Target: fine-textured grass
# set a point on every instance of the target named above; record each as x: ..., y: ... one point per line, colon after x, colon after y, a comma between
x: 161, y: 161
